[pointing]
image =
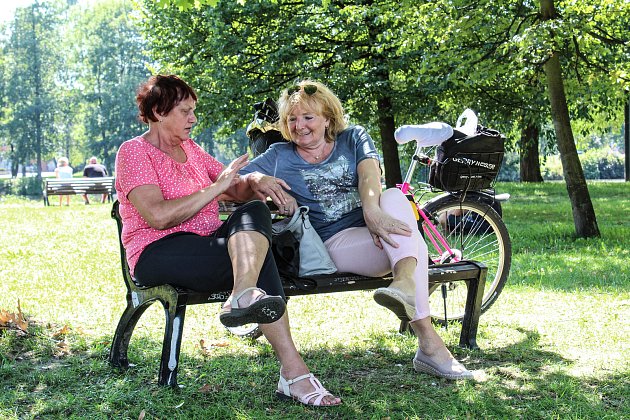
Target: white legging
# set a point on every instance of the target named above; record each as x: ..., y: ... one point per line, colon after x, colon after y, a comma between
x: 353, y: 249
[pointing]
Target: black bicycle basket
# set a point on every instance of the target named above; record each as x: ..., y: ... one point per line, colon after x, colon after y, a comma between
x: 468, y: 162
x: 262, y: 131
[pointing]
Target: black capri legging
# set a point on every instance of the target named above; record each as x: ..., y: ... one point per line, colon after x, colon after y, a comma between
x: 202, y: 263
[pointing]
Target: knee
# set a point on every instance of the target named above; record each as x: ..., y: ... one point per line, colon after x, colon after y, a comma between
x: 392, y: 195
x: 251, y: 216
x: 258, y: 211
x: 396, y: 204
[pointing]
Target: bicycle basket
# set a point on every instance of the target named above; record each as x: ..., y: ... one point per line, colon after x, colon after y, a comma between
x: 468, y: 163
x: 262, y: 131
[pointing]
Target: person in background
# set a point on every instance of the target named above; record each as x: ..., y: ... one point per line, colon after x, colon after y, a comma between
x: 63, y: 171
x: 94, y: 170
x: 168, y: 188
x: 335, y: 171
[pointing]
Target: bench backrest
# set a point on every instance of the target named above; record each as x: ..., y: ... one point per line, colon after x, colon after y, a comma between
x: 58, y: 186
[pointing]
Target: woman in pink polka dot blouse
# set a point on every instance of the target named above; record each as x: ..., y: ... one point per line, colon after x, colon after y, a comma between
x: 168, y: 188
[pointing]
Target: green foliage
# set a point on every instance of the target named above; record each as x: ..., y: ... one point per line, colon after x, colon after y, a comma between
x: 23, y: 186
x: 596, y: 163
x: 552, y: 169
x: 68, y: 81
x: 247, y: 52
x: 510, y: 171
x: 602, y: 164
x: 108, y: 59
x: 415, y: 62
x: 30, y: 57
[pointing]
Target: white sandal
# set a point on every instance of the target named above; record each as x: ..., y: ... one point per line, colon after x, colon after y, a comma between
x: 319, y: 393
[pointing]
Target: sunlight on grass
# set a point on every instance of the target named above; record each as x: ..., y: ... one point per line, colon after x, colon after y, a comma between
x: 555, y: 343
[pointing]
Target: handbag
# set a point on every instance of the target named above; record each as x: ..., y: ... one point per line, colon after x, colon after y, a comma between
x: 311, y: 253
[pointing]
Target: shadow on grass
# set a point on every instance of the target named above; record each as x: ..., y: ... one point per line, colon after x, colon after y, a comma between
x: 375, y: 381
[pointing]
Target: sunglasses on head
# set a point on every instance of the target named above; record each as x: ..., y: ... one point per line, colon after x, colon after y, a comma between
x: 308, y: 89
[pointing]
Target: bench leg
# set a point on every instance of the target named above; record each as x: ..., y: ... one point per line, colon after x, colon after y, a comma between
x: 474, y: 298
x: 173, y: 331
x: 124, y: 330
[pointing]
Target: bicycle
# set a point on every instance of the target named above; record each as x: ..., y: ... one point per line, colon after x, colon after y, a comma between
x: 462, y: 224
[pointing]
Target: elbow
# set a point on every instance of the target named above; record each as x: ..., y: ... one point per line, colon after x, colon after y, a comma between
x: 158, y: 221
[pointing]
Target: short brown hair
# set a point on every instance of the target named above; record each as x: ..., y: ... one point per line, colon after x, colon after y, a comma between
x: 321, y: 100
x: 160, y: 94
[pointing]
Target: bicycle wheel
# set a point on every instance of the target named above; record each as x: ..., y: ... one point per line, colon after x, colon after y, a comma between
x: 476, y: 231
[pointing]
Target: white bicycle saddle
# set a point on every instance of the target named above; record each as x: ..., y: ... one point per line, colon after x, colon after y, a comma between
x: 431, y: 134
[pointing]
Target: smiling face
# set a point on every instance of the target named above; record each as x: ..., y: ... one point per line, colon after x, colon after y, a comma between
x: 180, y: 120
x: 307, y: 126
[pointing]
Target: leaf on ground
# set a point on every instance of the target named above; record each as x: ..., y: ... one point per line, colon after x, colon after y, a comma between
x: 10, y: 320
x: 206, y: 348
x: 142, y: 414
x: 62, y: 332
x: 62, y: 349
x: 207, y: 388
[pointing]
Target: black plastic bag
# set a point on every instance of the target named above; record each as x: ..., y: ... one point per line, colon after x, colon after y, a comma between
x: 286, y: 251
x: 468, y: 163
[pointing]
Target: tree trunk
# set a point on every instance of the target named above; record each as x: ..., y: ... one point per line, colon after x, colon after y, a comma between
x: 530, y: 157
x: 37, y: 78
x: 387, y: 127
x: 626, y: 141
x: 581, y: 205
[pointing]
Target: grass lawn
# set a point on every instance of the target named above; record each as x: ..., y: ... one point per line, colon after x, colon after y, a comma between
x: 555, y: 345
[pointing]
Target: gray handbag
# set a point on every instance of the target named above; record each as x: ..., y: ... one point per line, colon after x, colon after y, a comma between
x: 314, y: 258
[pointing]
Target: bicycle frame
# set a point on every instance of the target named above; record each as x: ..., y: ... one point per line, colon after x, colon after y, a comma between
x: 436, y: 239
x: 429, y: 230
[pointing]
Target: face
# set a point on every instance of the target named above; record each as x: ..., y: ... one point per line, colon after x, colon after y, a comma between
x: 180, y: 120
x: 306, y: 126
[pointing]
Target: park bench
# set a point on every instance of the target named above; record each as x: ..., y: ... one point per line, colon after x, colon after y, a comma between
x: 73, y: 186
x: 175, y: 300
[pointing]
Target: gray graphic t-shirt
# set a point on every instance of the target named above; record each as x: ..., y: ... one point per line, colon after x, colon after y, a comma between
x: 330, y: 188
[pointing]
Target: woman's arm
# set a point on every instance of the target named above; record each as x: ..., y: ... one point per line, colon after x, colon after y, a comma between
x: 163, y: 214
x: 260, y: 186
x: 380, y: 224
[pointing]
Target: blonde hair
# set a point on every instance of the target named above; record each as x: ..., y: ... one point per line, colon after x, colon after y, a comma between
x: 321, y: 101
x: 62, y: 161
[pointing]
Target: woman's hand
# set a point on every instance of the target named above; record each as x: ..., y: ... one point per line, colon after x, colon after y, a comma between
x: 275, y: 188
x: 229, y: 176
x: 289, y: 207
x: 381, y: 225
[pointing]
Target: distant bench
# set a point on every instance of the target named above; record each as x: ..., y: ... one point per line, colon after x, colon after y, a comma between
x: 73, y: 186
x: 175, y: 300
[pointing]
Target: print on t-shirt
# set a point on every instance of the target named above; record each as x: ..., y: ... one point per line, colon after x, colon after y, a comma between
x: 331, y: 185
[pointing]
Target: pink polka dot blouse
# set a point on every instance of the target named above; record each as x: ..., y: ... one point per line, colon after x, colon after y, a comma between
x: 138, y: 162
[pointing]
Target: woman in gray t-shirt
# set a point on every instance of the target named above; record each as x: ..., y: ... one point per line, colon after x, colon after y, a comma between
x: 334, y: 170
